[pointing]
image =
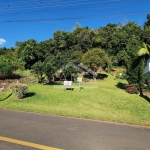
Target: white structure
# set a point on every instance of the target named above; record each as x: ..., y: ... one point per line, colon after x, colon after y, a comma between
x: 68, y: 83
x: 147, y: 71
x: 79, y: 80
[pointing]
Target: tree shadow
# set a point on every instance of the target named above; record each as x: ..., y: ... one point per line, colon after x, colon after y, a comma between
x: 88, y: 76
x: 145, y: 97
x: 69, y: 89
x: 101, y: 76
x: 55, y: 83
x: 121, y: 85
x: 29, y: 94
x: 6, y: 97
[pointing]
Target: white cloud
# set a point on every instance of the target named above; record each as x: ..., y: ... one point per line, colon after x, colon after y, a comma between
x: 2, y: 41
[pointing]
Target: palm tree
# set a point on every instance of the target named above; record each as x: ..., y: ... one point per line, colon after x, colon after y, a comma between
x: 145, y: 52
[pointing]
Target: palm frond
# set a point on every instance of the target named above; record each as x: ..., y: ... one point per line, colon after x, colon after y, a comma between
x: 144, y: 45
x: 143, y: 51
x: 148, y: 46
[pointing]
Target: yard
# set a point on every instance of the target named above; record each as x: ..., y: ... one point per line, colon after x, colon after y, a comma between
x: 101, y: 100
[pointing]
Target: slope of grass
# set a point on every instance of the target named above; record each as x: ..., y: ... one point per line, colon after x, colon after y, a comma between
x: 101, y: 100
x: 5, y: 95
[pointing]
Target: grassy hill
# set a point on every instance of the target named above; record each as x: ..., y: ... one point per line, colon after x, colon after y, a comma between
x: 101, y: 100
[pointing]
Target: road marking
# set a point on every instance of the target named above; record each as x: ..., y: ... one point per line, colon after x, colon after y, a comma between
x: 29, y: 144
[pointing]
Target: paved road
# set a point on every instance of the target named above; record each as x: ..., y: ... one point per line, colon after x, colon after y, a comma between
x: 69, y: 133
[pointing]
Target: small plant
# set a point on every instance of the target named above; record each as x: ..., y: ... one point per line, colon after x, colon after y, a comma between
x: 19, y: 90
x: 132, y: 89
x: 120, y: 75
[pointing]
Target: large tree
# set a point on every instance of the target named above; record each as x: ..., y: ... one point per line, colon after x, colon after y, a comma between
x: 94, y: 59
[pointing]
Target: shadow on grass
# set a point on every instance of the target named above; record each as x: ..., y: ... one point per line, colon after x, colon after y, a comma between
x: 55, y: 83
x: 99, y: 76
x: 29, y: 94
x: 88, y: 76
x: 69, y: 89
x: 6, y: 97
x: 121, y: 85
x: 145, y: 97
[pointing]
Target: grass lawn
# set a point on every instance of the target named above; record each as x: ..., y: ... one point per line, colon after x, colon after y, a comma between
x: 101, y: 100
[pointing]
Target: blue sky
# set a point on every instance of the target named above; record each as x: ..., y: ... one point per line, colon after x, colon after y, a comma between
x: 21, y: 20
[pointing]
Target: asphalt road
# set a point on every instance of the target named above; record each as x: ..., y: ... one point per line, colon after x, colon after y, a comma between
x: 69, y: 133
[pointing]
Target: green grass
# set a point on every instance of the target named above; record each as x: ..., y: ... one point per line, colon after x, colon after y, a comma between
x: 5, y: 95
x: 25, y: 73
x: 100, y: 100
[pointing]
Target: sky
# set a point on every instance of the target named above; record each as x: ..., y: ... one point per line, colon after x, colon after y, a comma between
x: 21, y: 20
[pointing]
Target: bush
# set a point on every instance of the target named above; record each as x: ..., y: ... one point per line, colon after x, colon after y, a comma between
x: 132, y: 89
x: 120, y: 75
x: 19, y: 90
x: 6, y: 69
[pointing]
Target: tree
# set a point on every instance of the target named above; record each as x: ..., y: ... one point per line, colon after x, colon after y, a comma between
x: 147, y: 23
x: 6, y: 69
x: 94, y: 59
x: 26, y: 53
x: 50, y: 67
x: 70, y: 73
x: 144, y: 54
x: 77, y: 57
x: 3, y: 50
x: 82, y: 39
x: 134, y: 65
x: 38, y: 70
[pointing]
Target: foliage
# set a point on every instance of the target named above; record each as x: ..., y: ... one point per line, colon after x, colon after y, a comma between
x: 19, y: 90
x: 144, y: 50
x: 77, y: 57
x: 6, y: 69
x: 144, y: 54
x: 50, y: 67
x: 132, y: 89
x: 95, y: 58
x: 147, y: 23
x: 120, y: 42
x: 3, y: 50
x: 38, y: 70
x: 71, y: 72
x: 121, y: 75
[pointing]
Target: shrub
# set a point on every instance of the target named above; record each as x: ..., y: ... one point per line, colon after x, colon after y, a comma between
x: 132, y: 89
x: 6, y: 69
x: 120, y: 75
x: 19, y: 90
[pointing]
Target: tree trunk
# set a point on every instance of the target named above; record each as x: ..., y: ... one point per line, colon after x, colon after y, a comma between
x: 94, y: 76
x: 141, y: 91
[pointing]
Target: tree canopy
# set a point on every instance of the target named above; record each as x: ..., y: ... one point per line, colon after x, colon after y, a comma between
x: 113, y: 44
